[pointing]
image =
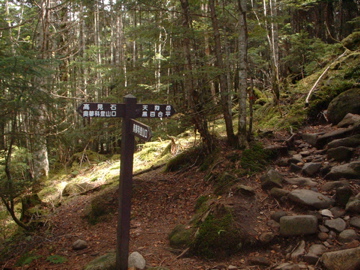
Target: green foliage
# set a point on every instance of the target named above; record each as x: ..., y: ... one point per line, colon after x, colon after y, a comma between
x: 306, y: 53
x: 19, y: 170
x: 26, y: 259
x: 255, y: 159
x: 56, y: 259
x: 342, y: 76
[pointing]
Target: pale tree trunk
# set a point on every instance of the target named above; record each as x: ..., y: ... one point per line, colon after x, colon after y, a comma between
x: 158, y: 57
x: 274, y: 44
x: 224, y: 87
x: 40, y: 161
x: 37, y: 138
x: 273, y: 41
x: 242, y: 136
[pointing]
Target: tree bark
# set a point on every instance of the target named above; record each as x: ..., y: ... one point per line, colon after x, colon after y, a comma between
x: 224, y: 87
x: 194, y: 95
x: 242, y: 136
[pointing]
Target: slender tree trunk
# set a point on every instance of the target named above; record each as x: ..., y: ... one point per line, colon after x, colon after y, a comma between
x: 224, y: 87
x: 274, y: 48
x: 8, y: 197
x: 194, y: 95
x: 242, y: 136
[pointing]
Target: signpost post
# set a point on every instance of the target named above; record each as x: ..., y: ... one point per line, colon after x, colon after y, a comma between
x: 130, y: 128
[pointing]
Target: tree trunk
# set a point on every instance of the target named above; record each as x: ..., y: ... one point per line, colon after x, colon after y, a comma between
x: 194, y: 95
x: 224, y: 87
x: 242, y: 136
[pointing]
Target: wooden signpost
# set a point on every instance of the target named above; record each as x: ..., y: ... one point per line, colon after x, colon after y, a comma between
x: 130, y: 128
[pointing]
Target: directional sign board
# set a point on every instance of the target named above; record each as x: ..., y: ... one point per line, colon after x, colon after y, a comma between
x: 110, y: 110
x: 154, y: 110
x: 141, y: 130
x: 107, y: 110
x: 130, y: 128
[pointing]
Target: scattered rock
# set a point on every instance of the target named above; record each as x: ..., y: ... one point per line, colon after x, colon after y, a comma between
x: 262, y: 261
x: 277, y: 215
x: 354, y: 204
x: 136, y: 260
x: 299, y: 251
x: 347, y: 236
x: 337, y: 224
x: 326, y: 213
x: 278, y: 193
x: 311, y: 168
x: 295, y: 159
x: 79, y: 244
x: 301, y: 181
x: 271, y: 179
x: 310, y: 198
x: 348, y: 120
x: 340, y: 153
x: 324, y: 139
x: 298, y: 225
x: 315, y: 251
x: 310, y: 138
x: 352, y: 141
x: 266, y: 237
x: 342, y: 195
x: 338, y: 212
x: 355, y: 222
x: 349, y: 170
x: 334, y: 185
x: 348, y: 259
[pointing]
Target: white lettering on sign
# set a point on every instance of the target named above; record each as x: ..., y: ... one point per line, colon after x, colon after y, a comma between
x: 85, y: 113
x: 86, y: 107
x: 156, y: 108
x: 160, y: 115
x: 113, y: 107
x: 152, y: 114
x: 100, y: 107
x: 144, y: 114
x: 143, y: 132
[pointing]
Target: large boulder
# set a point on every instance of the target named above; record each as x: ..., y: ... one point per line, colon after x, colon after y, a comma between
x: 346, y: 102
x: 348, y: 170
x: 310, y: 198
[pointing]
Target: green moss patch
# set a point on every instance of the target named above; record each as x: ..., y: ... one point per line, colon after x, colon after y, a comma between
x: 217, y: 236
x: 191, y: 157
x: 100, y: 208
x: 255, y: 159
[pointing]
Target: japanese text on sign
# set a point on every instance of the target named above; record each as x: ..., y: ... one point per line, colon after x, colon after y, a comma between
x: 99, y: 110
x: 141, y: 131
x: 156, y: 111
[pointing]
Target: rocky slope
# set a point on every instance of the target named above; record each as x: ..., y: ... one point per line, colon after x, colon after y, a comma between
x: 302, y: 213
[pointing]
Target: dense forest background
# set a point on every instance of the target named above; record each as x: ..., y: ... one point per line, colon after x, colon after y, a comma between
x: 206, y: 58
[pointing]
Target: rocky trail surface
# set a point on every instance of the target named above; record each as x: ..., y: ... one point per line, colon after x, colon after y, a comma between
x: 303, y: 212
